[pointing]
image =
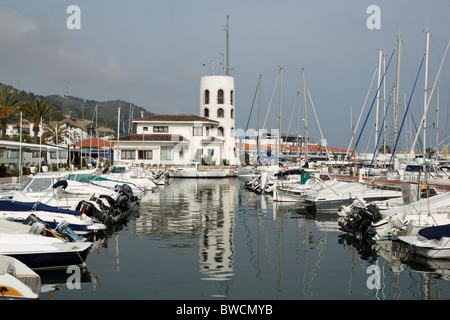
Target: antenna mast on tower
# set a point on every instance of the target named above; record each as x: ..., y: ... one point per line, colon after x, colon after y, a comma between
x: 228, y: 49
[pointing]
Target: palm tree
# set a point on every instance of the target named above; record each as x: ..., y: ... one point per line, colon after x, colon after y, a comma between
x: 8, y: 103
x: 55, y: 134
x: 35, y: 111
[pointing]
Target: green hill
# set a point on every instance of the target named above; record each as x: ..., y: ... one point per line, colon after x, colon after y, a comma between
x: 107, y: 111
x: 80, y: 112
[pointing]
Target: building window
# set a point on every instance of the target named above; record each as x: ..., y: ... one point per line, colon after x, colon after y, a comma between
x: 232, y: 113
x: 206, y: 113
x: 145, y: 129
x: 145, y: 154
x: 210, y: 152
x: 166, y: 153
x: 128, y: 154
x: 160, y: 129
x: 220, y: 96
x: 232, y: 97
x: 220, y: 113
x: 207, y: 131
x: 206, y: 97
x: 220, y: 132
x: 197, y: 131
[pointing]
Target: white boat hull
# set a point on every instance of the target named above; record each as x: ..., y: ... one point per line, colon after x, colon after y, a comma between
x: 427, y: 248
x: 18, y: 281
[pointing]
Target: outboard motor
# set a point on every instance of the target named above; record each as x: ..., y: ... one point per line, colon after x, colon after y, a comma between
x: 89, y: 208
x: 63, y: 230
x: 359, y: 223
x: 38, y: 226
x: 125, y: 195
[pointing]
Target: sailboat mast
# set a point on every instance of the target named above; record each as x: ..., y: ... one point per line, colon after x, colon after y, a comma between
x: 384, y: 110
x: 425, y: 99
x: 279, y: 120
x: 298, y: 128
x: 378, y: 97
x: 397, y: 90
x: 118, y: 135
x: 306, y: 118
x: 258, y: 141
x: 437, y: 119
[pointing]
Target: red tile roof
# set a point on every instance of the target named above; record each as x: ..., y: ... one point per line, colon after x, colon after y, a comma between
x: 174, y: 117
x: 94, y: 143
x: 153, y: 137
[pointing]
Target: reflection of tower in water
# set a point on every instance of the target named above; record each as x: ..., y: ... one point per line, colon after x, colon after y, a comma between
x: 216, y: 243
x: 190, y: 208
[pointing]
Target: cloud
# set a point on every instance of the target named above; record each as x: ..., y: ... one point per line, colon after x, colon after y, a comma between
x: 32, y: 48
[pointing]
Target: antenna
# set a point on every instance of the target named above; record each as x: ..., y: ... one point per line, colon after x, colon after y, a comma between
x: 228, y: 48
x: 68, y: 94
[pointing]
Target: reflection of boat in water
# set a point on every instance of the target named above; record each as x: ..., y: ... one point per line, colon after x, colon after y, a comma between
x: 53, y: 281
x: 192, y: 170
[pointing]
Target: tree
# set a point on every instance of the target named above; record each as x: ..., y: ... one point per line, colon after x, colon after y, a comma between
x: 56, y: 134
x: 35, y: 112
x: 9, y: 102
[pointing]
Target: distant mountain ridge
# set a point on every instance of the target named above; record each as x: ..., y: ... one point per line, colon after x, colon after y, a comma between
x: 74, y: 110
x: 107, y: 111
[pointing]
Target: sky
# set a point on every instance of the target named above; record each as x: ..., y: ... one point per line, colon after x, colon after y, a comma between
x: 153, y: 53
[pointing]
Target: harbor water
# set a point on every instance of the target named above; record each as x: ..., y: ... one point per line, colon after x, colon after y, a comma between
x: 212, y: 239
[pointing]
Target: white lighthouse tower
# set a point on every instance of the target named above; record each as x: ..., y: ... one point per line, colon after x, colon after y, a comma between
x: 217, y: 102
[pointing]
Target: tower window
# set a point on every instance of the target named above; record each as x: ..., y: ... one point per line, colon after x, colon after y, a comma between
x: 206, y: 113
x: 232, y: 97
x: 232, y: 113
x: 220, y: 96
x: 206, y: 97
x: 220, y: 132
x: 220, y: 113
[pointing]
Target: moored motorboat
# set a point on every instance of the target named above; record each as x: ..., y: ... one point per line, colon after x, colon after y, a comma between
x: 28, y: 245
x: 431, y: 242
x: 18, y: 211
x: 298, y: 192
x: 344, y: 193
x: 17, y: 280
x: 192, y: 170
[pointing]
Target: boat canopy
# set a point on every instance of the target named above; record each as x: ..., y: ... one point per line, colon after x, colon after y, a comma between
x: 436, y: 232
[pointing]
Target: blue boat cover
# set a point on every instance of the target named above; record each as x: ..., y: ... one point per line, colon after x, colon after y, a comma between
x: 61, y: 183
x: 11, y: 205
x: 435, y: 232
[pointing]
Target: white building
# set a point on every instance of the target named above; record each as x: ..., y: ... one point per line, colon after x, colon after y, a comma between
x: 217, y: 102
x: 177, y: 139
x: 11, y: 131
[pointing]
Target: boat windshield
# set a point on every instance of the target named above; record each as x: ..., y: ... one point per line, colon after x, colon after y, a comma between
x: 191, y: 165
x: 119, y: 170
x: 79, y: 177
x: 36, y: 185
